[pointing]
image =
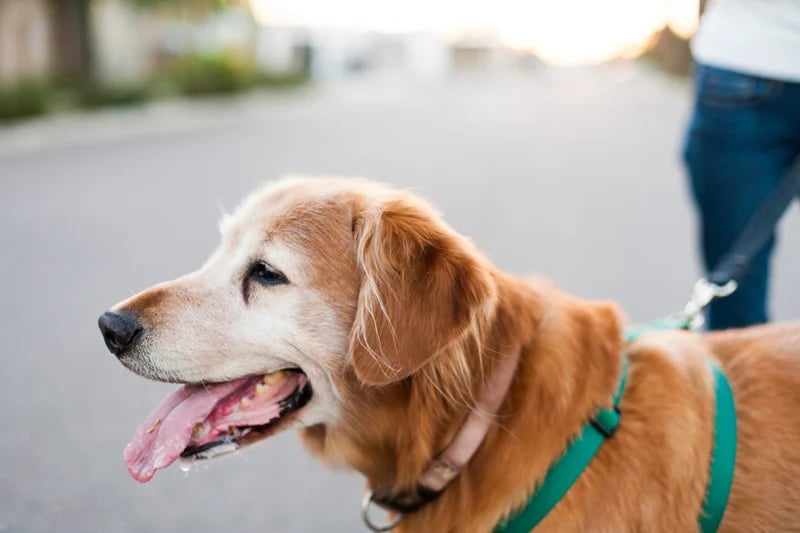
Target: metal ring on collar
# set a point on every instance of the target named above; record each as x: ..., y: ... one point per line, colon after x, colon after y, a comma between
x: 365, y: 503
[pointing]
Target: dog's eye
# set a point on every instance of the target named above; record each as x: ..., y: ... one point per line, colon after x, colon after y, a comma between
x: 266, y: 275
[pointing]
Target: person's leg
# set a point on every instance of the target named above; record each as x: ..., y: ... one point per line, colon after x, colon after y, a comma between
x: 739, y: 144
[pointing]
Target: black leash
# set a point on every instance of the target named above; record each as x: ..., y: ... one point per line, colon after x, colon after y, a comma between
x: 724, y: 278
x: 735, y: 263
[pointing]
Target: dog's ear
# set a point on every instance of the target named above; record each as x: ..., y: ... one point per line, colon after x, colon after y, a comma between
x: 421, y: 285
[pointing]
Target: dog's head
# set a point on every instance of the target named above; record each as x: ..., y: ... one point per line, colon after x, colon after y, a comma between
x: 321, y: 293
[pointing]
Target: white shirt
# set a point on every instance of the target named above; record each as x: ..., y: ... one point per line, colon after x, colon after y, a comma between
x: 758, y: 37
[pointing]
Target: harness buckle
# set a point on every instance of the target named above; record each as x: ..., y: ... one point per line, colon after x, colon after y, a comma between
x: 606, y: 421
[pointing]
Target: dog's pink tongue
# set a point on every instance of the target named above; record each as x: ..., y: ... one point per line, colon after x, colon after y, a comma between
x: 167, y: 431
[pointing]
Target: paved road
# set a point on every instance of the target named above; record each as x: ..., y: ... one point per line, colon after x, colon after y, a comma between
x: 572, y: 174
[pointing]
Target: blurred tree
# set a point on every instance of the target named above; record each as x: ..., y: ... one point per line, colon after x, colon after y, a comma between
x: 670, y: 52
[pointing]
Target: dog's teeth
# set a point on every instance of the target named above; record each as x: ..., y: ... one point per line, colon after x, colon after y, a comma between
x: 244, y: 402
x: 260, y: 388
x: 197, y: 429
x: 271, y: 379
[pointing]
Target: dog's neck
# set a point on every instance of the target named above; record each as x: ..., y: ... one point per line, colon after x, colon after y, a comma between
x: 569, y: 364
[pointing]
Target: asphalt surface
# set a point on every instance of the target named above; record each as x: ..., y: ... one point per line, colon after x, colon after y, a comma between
x: 571, y: 174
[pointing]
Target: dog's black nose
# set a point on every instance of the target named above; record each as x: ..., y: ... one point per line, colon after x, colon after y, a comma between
x: 120, y: 330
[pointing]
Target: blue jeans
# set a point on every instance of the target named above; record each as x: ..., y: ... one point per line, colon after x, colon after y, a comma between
x: 743, y: 135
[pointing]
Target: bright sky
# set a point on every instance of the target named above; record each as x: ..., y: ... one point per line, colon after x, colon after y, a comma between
x: 564, y: 32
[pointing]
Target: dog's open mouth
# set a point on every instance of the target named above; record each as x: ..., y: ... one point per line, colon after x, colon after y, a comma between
x: 204, y: 421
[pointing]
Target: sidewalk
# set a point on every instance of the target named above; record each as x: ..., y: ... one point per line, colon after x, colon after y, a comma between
x: 167, y: 117
x: 170, y: 117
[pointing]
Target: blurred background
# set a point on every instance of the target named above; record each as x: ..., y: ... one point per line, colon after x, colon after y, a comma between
x: 548, y: 132
x: 67, y: 54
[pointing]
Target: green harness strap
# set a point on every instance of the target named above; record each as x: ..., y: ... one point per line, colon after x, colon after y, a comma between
x: 566, y: 471
x: 569, y: 468
x: 723, y: 458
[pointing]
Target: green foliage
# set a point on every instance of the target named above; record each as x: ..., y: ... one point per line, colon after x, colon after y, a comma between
x: 24, y: 99
x: 188, y: 75
x: 197, y: 75
x: 100, y: 95
x: 276, y: 80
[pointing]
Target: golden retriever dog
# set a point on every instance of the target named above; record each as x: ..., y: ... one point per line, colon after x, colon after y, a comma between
x: 352, y: 312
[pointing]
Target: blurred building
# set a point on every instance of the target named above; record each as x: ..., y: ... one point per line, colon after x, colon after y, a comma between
x: 131, y: 44
x: 333, y: 53
x: 43, y: 39
x: 482, y: 52
x: 282, y: 49
x: 26, y: 39
x: 119, y: 37
x: 116, y: 43
x: 109, y: 40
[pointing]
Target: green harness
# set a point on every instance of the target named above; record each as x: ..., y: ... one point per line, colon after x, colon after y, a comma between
x: 566, y: 471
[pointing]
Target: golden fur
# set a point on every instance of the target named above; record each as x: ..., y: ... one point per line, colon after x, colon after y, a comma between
x: 413, y: 320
